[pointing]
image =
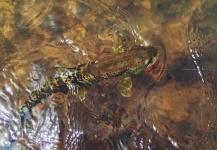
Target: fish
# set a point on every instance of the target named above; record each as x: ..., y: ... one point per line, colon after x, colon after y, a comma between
x: 126, y: 64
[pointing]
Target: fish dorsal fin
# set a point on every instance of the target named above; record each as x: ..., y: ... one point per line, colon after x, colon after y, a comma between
x: 118, y: 47
x: 81, y: 94
x: 125, y: 85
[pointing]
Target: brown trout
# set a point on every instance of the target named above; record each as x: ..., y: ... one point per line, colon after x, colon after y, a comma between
x: 127, y: 63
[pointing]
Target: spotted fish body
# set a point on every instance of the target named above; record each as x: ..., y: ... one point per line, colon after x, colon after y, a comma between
x: 128, y: 63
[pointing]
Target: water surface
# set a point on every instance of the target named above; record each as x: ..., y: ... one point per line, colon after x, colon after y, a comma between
x: 171, y: 107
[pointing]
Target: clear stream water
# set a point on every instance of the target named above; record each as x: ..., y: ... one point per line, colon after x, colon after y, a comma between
x: 174, y: 106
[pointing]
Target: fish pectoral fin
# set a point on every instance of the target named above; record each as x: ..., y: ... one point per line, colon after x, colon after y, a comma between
x: 125, y: 85
x: 81, y: 94
x: 118, y: 47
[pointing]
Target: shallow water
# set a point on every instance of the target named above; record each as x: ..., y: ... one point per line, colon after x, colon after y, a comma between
x: 171, y: 107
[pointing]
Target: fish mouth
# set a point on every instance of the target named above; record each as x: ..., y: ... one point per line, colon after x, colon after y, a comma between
x: 150, y: 68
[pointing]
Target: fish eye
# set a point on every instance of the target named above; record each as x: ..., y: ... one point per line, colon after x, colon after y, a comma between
x: 154, y: 55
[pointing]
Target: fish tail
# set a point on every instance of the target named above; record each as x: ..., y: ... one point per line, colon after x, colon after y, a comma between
x: 52, y: 85
x: 26, y: 108
x: 36, y: 96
